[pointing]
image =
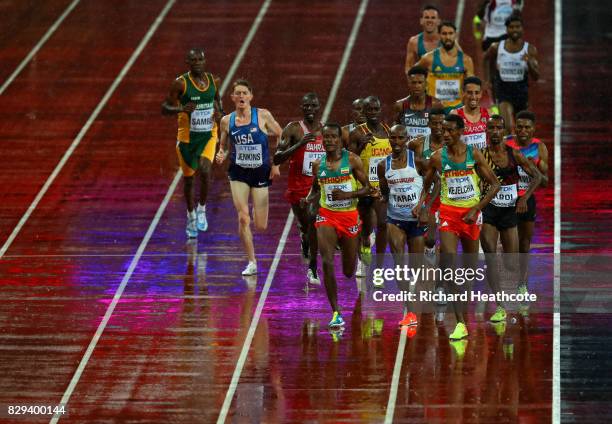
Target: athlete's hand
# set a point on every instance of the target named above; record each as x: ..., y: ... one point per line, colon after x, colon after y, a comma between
x: 367, y: 138
x: 422, y: 214
x: 521, y: 205
x: 220, y: 157
x: 308, y: 138
x: 275, y: 171
x: 471, y: 216
x: 189, y: 107
x: 338, y: 194
x: 375, y: 193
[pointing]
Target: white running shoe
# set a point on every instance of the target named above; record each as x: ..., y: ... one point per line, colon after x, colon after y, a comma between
x: 361, y: 269
x: 201, y: 214
x: 313, y: 278
x: 191, y: 230
x: 430, y: 255
x: 251, y: 269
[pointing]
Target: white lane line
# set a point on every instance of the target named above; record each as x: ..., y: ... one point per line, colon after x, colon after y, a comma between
x: 279, y: 251
x: 459, y: 16
x: 154, y: 223
x: 38, y: 46
x: 86, y: 127
x: 557, y: 229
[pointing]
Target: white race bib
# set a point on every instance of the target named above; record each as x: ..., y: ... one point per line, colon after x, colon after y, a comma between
x: 249, y: 155
x: 414, y: 132
x: 478, y: 140
x: 506, y: 196
x: 373, y: 177
x: 403, y: 197
x: 201, y: 120
x: 337, y: 204
x: 447, y: 90
x: 309, y: 158
x: 460, y: 188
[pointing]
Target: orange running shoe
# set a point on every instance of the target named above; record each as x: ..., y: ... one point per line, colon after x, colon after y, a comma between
x: 410, y: 319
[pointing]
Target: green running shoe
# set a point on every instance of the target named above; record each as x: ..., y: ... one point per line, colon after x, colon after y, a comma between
x: 499, y: 315
x: 460, y: 332
x: 336, y: 321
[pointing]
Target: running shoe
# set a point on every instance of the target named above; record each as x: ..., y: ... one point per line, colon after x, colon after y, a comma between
x: 313, y: 278
x: 366, y: 254
x: 499, y: 315
x: 459, y: 347
x: 201, y: 217
x: 336, y: 333
x: 508, y: 348
x: 430, y: 255
x: 305, y: 249
x: 522, y: 289
x: 499, y: 327
x: 251, y: 269
x: 460, y: 332
x: 361, y: 269
x: 410, y: 331
x: 336, y: 320
x: 410, y: 319
x: 378, y: 326
x: 191, y: 230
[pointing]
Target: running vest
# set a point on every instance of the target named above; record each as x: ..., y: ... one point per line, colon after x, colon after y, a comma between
x: 445, y: 82
x: 510, y: 66
x: 373, y: 153
x: 421, y: 50
x: 496, y: 13
x: 460, y: 182
x: 250, y: 143
x: 341, y: 178
x: 507, y: 177
x: 416, y: 121
x: 197, y: 126
x: 405, y: 186
x: 530, y: 151
x: 300, y: 164
x: 475, y: 133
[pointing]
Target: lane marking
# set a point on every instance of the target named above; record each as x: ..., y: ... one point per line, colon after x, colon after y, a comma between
x: 86, y: 127
x: 38, y: 46
x: 279, y: 251
x: 556, y: 412
x: 158, y: 214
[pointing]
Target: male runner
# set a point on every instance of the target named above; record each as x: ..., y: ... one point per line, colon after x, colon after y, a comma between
x: 371, y: 142
x: 413, y: 111
x: 302, y: 144
x: 401, y: 184
x: 461, y: 167
x: 447, y: 66
x: 425, y: 41
x: 534, y: 150
x: 248, y: 129
x: 473, y: 114
x: 515, y: 60
x: 500, y: 216
x: 357, y: 117
x: 194, y: 98
x: 335, y: 178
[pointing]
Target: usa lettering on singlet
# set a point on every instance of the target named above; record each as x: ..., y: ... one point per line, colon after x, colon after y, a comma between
x: 506, y: 196
x: 511, y: 66
x: 249, y: 141
x: 248, y: 155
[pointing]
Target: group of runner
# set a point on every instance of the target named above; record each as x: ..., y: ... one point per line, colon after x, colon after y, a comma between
x: 444, y: 165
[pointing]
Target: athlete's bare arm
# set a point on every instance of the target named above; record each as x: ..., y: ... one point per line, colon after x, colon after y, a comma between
x: 360, y: 175
x: 416, y: 145
x: 217, y: 102
x: 292, y: 139
x: 273, y: 130
x: 486, y: 173
x: 223, y: 143
x: 382, y: 180
x: 434, y: 165
x: 468, y: 63
x: 543, y: 165
x: 489, y: 58
x: 532, y: 62
x: 315, y: 189
x: 172, y: 105
x: 398, y: 108
x: 426, y: 61
x: 358, y: 140
x: 411, y: 53
x: 536, y: 179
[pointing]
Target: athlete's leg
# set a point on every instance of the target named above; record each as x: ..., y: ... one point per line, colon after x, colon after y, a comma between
x: 507, y: 111
x: 397, y: 241
x: 240, y: 196
x: 349, y: 247
x: 188, y: 192
x: 205, y: 167
x: 525, y: 233
x: 326, y: 235
x: 488, y: 237
x: 260, y: 207
x: 510, y: 243
x: 366, y: 213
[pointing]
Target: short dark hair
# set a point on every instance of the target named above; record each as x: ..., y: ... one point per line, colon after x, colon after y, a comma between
x: 242, y: 81
x: 437, y: 111
x: 418, y: 70
x: 334, y: 125
x: 371, y: 99
x: 514, y: 17
x: 472, y: 80
x: 430, y: 7
x: 525, y: 114
x: 447, y: 24
x: 456, y: 119
x: 310, y: 96
x: 497, y: 117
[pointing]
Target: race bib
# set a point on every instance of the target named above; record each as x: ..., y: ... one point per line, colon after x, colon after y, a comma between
x: 460, y: 188
x: 201, y: 120
x: 506, y: 196
x: 511, y: 70
x: 337, y: 204
x: 403, y: 197
x: 478, y: 140
x: 414, y: 132
x: 249, y: 155
x: 373, y: 177
x: 524, y: 179
x: 309, y: 158
x: 447, y: 90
